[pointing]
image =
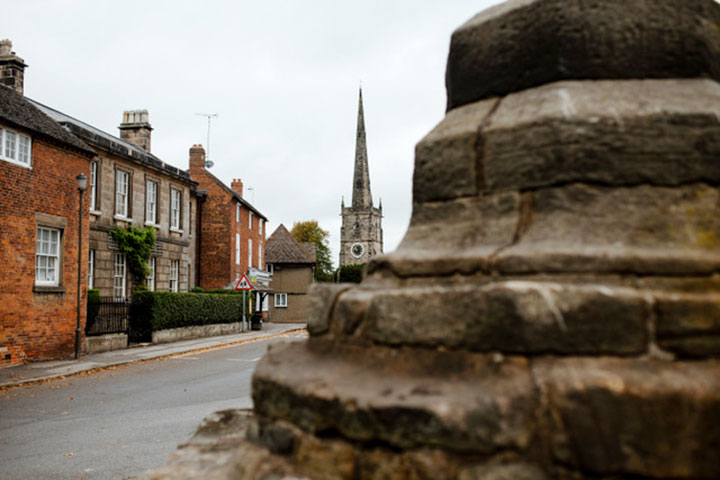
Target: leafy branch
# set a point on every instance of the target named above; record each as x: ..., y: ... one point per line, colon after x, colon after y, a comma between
x: 136, y: 244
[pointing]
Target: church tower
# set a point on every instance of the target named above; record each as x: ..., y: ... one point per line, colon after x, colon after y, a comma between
x: 361, y: 235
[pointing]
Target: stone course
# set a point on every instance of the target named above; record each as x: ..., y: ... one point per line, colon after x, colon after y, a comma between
x: 552, y: 312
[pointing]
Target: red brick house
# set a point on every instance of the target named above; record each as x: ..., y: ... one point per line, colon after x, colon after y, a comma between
x: 231, y: 231
x: 39, y: 206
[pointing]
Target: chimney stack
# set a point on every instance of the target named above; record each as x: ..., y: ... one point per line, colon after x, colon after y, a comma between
x: 237, y: 186
x: 197, y: 158
x: 135, y: 128
x: 12, y: 67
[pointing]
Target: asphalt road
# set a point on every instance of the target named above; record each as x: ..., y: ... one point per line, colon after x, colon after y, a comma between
x: 120, y: 422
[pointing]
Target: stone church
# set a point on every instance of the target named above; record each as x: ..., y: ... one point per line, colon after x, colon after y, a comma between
x: 361, y: 235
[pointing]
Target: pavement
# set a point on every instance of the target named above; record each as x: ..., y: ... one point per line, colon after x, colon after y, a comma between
x: 15, y: 375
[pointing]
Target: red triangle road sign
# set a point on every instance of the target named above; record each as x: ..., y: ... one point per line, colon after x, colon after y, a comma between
x: 243, y: 284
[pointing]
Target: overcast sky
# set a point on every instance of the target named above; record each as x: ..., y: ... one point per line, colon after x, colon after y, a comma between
x: 283, y: 78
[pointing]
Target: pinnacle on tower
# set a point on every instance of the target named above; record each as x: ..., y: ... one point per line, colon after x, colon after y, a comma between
x: 361, y: 196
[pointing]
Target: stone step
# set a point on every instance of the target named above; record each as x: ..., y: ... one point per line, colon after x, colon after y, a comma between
x: 607, y: 416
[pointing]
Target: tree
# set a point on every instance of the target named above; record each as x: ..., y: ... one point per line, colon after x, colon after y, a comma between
x: 310, y: 231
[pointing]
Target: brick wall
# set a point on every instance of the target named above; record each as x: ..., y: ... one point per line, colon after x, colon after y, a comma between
x: 36, y: 325
x: 216, y: 257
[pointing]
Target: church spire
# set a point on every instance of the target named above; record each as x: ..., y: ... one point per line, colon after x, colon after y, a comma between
x: 361, y: 197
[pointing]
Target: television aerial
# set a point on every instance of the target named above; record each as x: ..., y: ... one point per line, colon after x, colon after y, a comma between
x: 208, y: 163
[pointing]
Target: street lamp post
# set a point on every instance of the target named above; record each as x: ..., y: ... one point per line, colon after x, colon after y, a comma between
x: 81, y: 185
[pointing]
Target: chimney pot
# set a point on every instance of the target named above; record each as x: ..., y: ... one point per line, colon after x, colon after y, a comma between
x: 136, y: 128
x: 237, y: 186
x: 12, y: 67
x: 197, y: 158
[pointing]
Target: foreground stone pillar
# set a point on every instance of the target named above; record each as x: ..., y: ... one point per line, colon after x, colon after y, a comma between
x: 554, y: 308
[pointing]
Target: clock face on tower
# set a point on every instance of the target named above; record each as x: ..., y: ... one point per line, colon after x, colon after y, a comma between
x: 357, y: 250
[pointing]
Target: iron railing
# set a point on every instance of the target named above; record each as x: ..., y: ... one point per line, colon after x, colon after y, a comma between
x: 107, y: 315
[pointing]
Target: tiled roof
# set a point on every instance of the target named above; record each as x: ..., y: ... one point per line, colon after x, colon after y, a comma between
x: 310, y: 250
x: 18, y: 111
x: 282, y: 247
x: 118, y: 146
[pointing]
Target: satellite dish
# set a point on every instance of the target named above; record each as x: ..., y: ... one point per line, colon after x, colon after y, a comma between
x: 209, y: 164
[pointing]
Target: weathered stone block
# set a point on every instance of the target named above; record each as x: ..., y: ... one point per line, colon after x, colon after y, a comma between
x: 521, y: 44
x: 689, y: 325
x: 658, y: 132
x: 512, y: 317
x: 455, y: 236
x: 509, y: 471
x: 400, y: 398
x: 653, y: 419
x: 644, y: 229
x: 350, y: 311
x: 321, y: 298
x: 446, y: 159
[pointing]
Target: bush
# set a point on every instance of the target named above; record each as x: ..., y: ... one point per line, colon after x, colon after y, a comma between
x: 152, y: 311
x: 93, y: 307
x: 351, y: 273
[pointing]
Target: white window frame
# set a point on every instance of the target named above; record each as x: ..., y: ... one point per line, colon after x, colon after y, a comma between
x: 237, y: 212
x: 15, y: 148
x: 260, y: 226
x: 119, y: 275
x: 122, y: 190
x: 280, y: 300
x: 151, y: 202
x: 249, y: 252
x: 237, y: 249
x: 150, y: 283
x: 250, y: 219
x: 260, y: 256
x: 47, y: 256
x: 91, y: 269
x: 93, y: 185
x: 175, y: 208
x: 173, y: 283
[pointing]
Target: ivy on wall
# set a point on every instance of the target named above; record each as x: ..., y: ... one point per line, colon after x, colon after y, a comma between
x: 136, y: 244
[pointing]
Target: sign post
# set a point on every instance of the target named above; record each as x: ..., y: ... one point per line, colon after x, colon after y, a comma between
x: 244, y: 285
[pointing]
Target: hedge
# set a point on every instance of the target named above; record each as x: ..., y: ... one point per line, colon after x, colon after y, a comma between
x: 152, y: 311
x: 93, y: 307
x: 351, y: 273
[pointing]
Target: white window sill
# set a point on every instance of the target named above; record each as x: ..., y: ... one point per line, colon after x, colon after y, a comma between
x: 95, y: 212
x: 151, y: 224
x: 122, y: 218
x: 280, y: 306
x: 176, y: 230
x: 15, y: 162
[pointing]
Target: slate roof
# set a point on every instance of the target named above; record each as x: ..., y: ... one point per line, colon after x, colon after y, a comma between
x: 18, y: 111
x: 115, y: 145
x: 282, y: 247
x: 235, y: 194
